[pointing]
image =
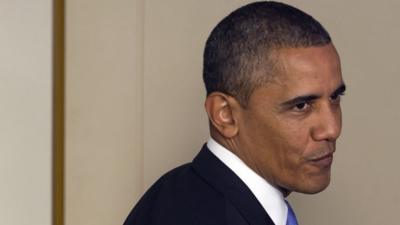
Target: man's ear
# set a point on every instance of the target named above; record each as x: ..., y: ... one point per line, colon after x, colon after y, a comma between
x: 222, y: 111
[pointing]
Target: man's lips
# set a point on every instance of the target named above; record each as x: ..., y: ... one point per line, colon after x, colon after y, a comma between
x: 323, y: 161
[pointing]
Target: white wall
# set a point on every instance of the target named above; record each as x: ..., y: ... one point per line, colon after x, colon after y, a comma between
x: 103, y: 142
x: 25, y: 112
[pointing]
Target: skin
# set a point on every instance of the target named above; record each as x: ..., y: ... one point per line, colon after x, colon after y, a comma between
x: 287, y: 133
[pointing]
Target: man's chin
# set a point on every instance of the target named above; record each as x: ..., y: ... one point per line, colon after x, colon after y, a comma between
x: 317, y: 188
x: 313, y: 186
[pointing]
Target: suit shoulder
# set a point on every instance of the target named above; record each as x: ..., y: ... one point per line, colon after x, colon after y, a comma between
x: 178, y: 197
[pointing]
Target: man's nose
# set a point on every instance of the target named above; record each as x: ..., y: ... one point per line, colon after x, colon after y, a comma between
x: 328, y: 124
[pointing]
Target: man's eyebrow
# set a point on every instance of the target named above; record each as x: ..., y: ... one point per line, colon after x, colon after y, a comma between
x: 340, y: 90
x: 300, y: 99
x: 308, y: 98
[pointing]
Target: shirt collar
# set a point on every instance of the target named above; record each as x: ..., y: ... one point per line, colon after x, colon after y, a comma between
x: 271, y: 198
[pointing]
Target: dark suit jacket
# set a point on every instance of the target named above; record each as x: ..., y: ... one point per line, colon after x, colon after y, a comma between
x: 204, y: 192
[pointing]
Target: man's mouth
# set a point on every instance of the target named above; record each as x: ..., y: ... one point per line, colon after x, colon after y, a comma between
x: 323, y: 161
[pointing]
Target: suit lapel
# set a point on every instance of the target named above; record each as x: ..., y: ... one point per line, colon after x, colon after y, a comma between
x: 225, y: 181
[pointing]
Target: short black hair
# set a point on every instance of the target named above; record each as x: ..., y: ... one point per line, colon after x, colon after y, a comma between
x: 237, y: 55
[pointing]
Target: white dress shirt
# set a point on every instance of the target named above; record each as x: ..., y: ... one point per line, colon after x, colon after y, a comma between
x: 271, y: 198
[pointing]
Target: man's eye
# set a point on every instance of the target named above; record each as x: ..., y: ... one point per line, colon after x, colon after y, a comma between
x: 301, y: 106
x: 336, y: 98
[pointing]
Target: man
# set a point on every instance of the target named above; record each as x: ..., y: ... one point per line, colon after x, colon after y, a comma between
x: 273, y: 83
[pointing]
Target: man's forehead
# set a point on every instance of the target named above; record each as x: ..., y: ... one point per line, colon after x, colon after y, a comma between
x: 304, y: 71
x: 291, y: 62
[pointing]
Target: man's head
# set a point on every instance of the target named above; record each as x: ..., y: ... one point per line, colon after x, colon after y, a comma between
x: 273, y: 83
x: 239, y: 53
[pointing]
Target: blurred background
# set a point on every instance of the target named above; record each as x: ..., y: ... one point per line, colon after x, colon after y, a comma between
x: 99, y: 98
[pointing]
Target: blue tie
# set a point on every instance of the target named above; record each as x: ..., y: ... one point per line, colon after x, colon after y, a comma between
x: 291, y: 217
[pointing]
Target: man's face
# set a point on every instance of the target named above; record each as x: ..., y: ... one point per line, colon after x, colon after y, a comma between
x: 287, y: 133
